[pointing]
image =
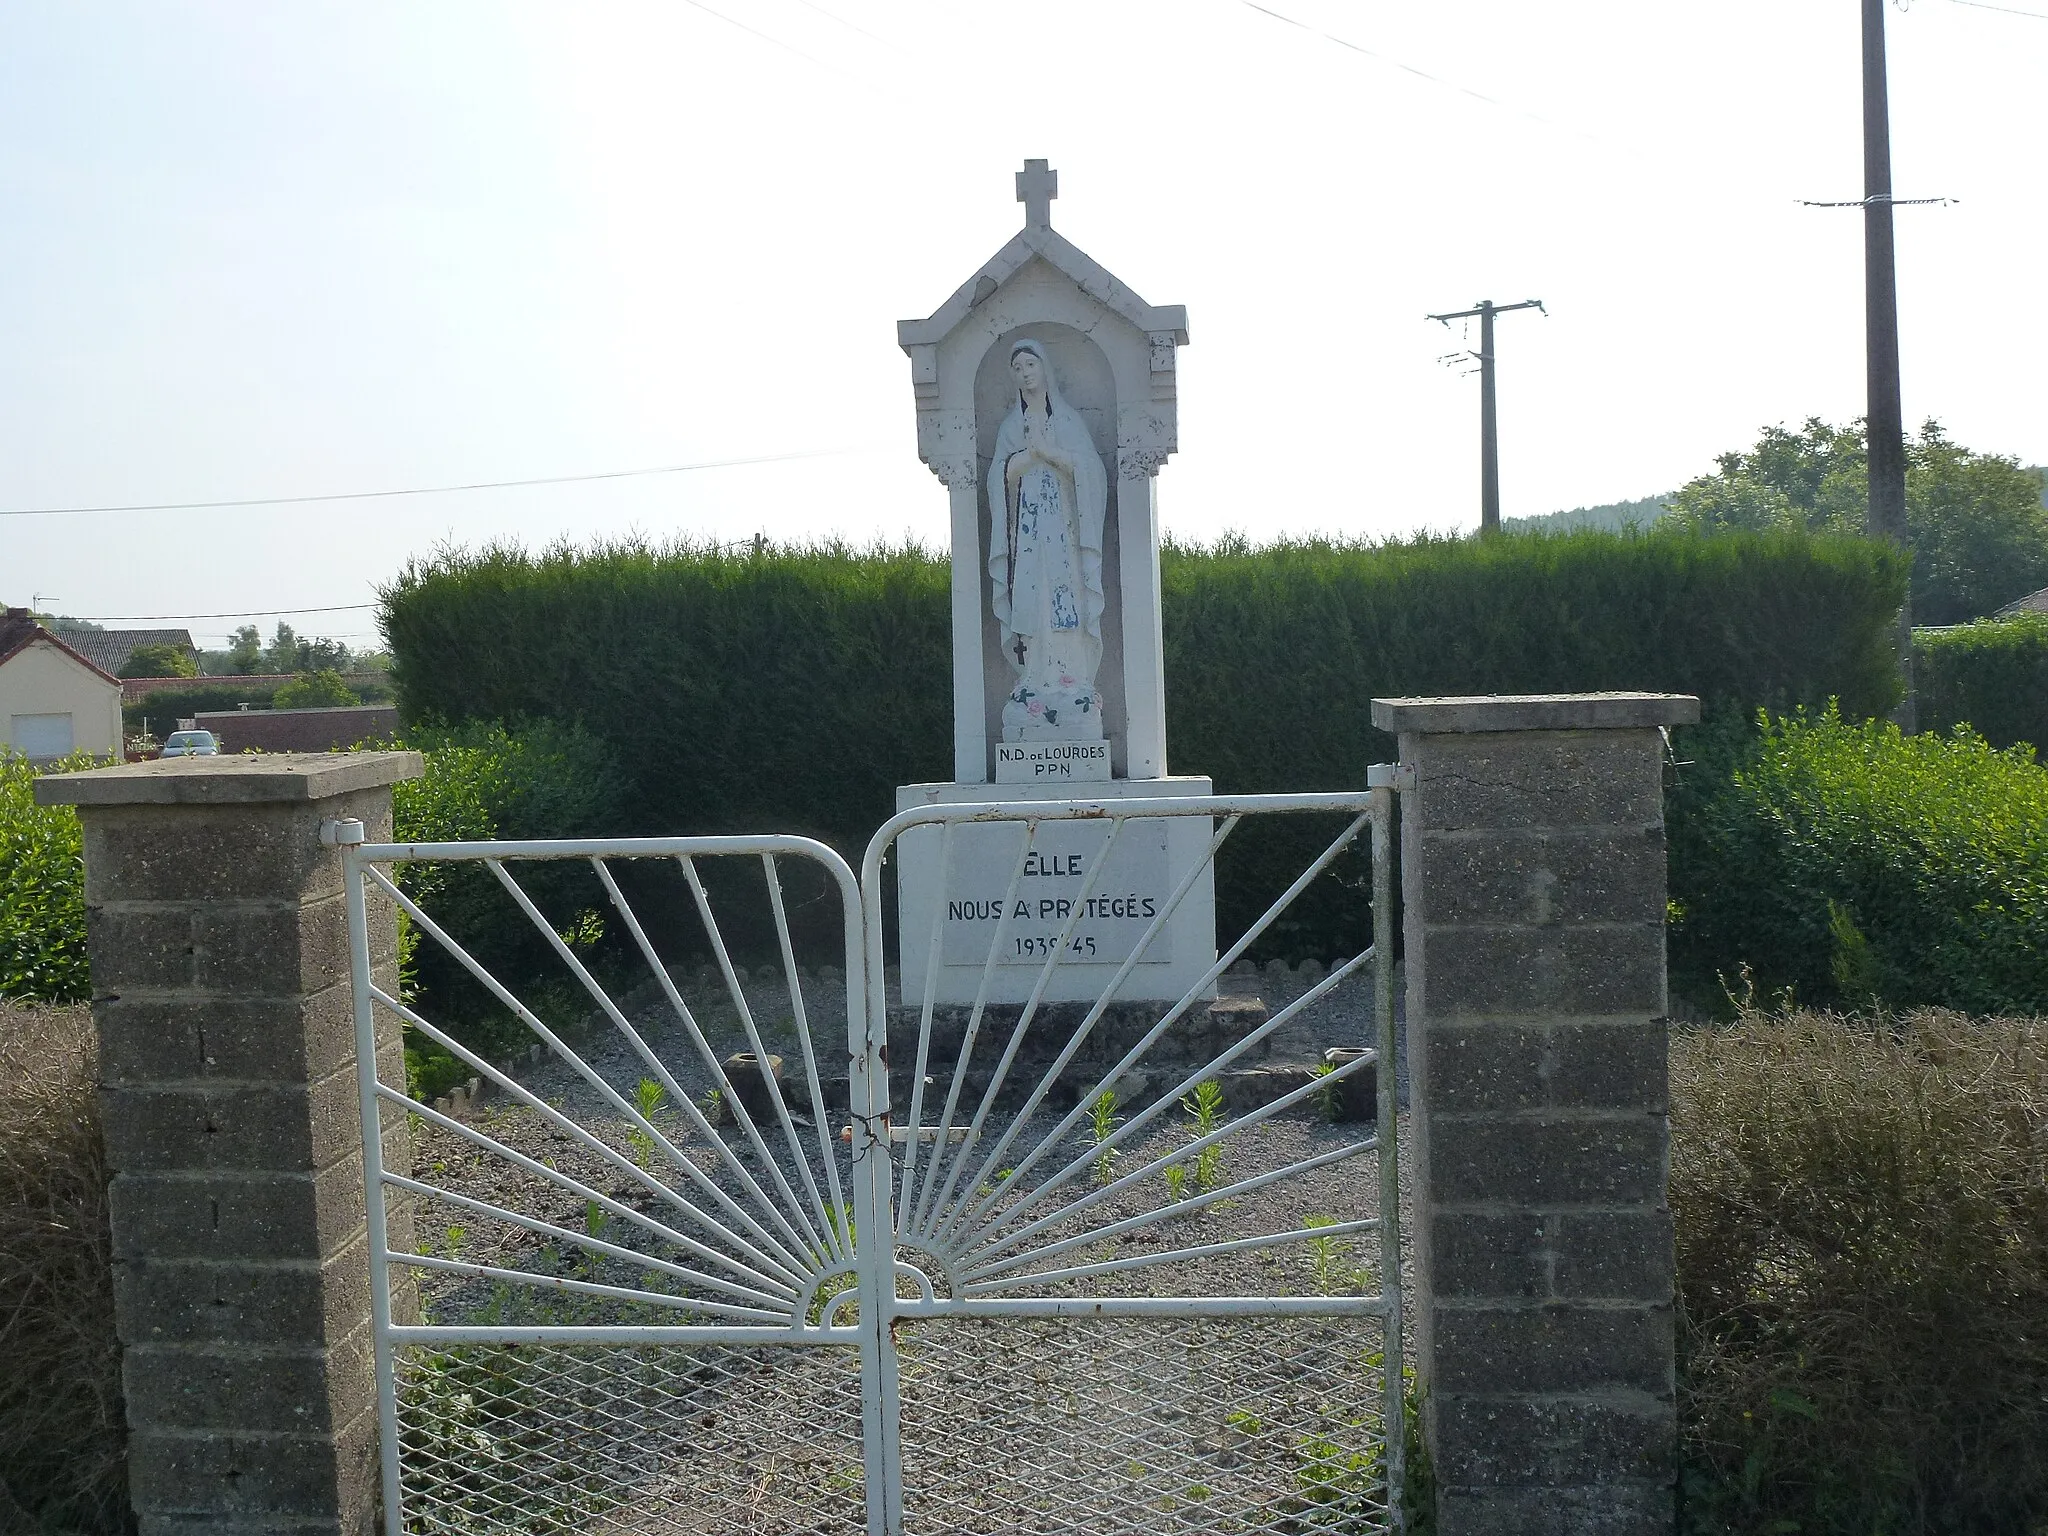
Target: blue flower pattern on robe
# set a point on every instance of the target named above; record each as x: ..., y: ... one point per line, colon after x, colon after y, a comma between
x: 1038, y: 494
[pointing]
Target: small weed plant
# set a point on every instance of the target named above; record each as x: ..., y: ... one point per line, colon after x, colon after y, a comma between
x: 649, y: 1097
x: 1329, y: 1096
x: 1329, y: 1260
x: 1105, y: 1124
x: 1204, y: 1106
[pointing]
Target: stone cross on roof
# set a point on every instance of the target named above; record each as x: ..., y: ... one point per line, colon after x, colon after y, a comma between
x: 1037, y: 185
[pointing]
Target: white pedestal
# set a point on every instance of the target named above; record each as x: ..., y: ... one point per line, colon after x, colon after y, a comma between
x: 1150, y: 859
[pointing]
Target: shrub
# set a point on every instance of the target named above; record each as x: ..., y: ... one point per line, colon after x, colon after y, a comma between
x: 1850, y: 861
x: 543, y: 779
x: 159, y: 661
x: 324, y: 689
x: 1862, y: 1234
x: 1992, y: 676
x: 62, y: 1446
x: 42, y: 887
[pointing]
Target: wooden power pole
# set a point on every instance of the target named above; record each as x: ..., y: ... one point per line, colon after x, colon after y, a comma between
x: 1489, y: 419
x: 1884, y: 424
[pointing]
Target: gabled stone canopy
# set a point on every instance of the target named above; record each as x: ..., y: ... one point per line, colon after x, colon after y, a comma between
x: 945, y: 347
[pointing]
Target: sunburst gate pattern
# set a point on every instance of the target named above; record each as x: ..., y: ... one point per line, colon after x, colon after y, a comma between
x: 695, y: 1226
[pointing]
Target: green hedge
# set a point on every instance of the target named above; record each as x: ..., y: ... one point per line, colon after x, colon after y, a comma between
x: 544, y: 778
x: 42, y: 887
x: 1991, y: 675
x: 1848, y: 862
x: 1274, y: 655
x: 793, y: 690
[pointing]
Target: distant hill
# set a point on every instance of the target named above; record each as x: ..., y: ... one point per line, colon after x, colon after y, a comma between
x: 1615, y: 515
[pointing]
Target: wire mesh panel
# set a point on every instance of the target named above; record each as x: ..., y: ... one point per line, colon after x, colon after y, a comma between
x: 1210, y: 1424
x: 615, y: 1276
x: 583, y: 1439
x: 1148, y: 1275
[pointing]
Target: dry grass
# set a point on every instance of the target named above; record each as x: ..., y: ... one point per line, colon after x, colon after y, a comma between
x: 61, y: 1438
x: 1862, y: 1214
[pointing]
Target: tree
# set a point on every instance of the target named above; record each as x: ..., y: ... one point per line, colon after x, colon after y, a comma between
x: 159, y: 661
x: 319, y: 690
x: 282, y: 654
x: 1978, y: 526
x: 324, y: 655
x: 288, y: 653
x: 245, y: 650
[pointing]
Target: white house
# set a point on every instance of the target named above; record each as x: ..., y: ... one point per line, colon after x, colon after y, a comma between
x: 53, y: 701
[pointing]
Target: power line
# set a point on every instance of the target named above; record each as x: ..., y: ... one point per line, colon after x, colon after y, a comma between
x: 1982, y: 5
x: 757, y: 32
x: 237, y: 613
x: 1420, y: 74
x: 429, y: 490
x: 757, y: 542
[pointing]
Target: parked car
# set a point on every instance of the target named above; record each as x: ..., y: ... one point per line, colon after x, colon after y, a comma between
x: 191, y: 744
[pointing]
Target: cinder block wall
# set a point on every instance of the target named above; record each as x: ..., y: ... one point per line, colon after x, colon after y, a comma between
x: 219, y: 948
x: 1533, y: 881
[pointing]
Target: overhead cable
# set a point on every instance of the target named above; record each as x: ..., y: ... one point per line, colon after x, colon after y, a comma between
x: 426, y: 490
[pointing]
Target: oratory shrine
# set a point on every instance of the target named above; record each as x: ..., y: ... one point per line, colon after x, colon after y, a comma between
x: 1046, y: 406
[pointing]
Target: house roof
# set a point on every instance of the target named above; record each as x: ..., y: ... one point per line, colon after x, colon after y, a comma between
x: 2033, y: 602
x: 18, y: 632
x: 109, y: 649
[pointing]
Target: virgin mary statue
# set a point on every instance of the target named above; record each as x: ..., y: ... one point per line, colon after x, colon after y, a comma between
x: 1046, y: 495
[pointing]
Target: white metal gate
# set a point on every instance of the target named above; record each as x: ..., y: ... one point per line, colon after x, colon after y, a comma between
x: 1079, y: 1266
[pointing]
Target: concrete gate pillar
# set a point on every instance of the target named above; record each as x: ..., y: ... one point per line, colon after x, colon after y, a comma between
x: 221, y: 1000
x: 1533, y: 886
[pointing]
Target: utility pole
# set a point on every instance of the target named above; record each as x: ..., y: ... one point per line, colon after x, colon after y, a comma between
x: 1489, y: 423
x: 1886, y: 517
x: 1884, y: 425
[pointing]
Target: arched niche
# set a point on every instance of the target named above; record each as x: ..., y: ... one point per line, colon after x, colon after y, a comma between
x: 1088, y: 383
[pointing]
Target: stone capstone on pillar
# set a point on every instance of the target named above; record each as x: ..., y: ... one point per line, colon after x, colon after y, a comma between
x: 219, y: 946
x: 1533, y: 888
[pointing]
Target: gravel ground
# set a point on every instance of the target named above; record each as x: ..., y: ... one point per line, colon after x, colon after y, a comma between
x: 1121, y: 1424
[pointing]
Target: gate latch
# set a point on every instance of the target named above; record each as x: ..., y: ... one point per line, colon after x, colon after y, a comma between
x: 1395, y: 776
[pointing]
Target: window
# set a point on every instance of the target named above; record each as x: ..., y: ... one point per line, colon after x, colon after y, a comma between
x: 41, y: 735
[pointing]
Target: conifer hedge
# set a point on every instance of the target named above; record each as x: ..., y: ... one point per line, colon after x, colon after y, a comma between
x: 793, y: 689
x: 1991, y: 675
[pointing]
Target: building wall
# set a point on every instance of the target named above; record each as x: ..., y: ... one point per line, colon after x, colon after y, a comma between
x: 299, y: 730
x: 40, y: 679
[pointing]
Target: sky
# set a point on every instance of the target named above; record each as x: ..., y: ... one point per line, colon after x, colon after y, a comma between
x: 257, y: 251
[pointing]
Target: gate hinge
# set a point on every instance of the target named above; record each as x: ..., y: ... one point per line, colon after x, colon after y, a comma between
x: 338, y: 834
x: 1394, y: 776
